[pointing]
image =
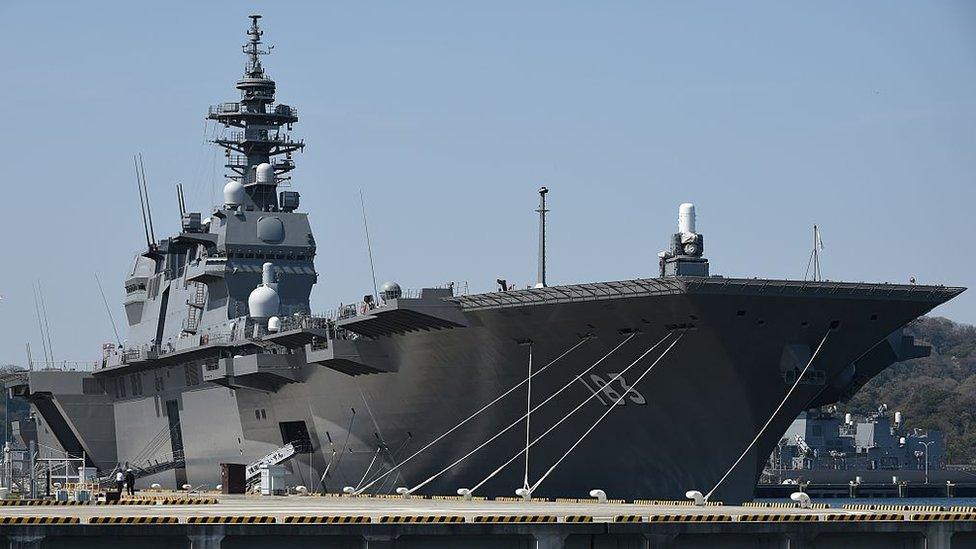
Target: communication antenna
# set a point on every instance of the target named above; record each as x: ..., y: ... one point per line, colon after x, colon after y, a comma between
x: 181, y: 199
x: 814, y: 262
x: 369, y: 248
x: 40, y: 325
x: 542, y: 237
x: 108, y: 310
x: 142, y: 203
x: 142, y: 170
x: 47, y: 327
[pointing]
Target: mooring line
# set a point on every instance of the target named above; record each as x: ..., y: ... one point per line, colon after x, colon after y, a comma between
x: 605, y: 414
x: 472, y: 416
x: 519, y: 420
x: 577, y: 408
x: 770, y: 420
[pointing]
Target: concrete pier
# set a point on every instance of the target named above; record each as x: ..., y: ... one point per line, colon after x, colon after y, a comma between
x: 372, y: 523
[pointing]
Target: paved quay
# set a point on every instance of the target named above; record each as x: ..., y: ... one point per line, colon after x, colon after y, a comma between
x: 389, y: 523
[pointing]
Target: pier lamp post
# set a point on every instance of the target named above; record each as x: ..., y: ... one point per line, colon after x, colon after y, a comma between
x: 926, y: 444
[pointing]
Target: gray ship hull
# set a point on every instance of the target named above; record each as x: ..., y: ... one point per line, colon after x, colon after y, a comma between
x: 738, y: 348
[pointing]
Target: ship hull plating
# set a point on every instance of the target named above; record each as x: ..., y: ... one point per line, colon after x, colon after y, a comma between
x: 681, y: 427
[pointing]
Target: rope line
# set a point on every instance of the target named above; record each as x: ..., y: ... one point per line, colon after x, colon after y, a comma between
x: 370, y: 468
x: 605, y: 414
x: 528, y: 418
x: 519, y: 420
x: 770, y: 420
x: 472, y: 416
x: 573, y: 411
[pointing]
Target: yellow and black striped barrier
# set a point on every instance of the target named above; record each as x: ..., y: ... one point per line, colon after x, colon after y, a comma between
x: 133, y: 520
x: 220, y: 519
x: 943, y: 516
x: 128, y: 502
x: 961, y: 509
x: 326, y: 519
x: 628, y: 518
x: 778, y: 517
x: 855, y: 517
x: 858, y: 506
x: 187, y: 501
x: 423, y: 519
x: 39, y: 520
x: 516, y: 518
x: 690, y: 518
x: 577, y: 518
x: 782, y: 505
x: 36, y: 502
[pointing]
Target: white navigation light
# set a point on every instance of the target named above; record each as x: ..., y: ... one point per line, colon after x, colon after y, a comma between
x: 802, y: 499
x: 695, y: 496
x: 686, y: 218
x: 234, y: 193
x: 264, y: 301
x: 264, y: 174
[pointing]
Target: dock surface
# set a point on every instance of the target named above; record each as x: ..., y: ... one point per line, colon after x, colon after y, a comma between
x: 387, y: 523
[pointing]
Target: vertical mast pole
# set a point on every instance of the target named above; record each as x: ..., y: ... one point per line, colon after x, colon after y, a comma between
x: 542, y: 238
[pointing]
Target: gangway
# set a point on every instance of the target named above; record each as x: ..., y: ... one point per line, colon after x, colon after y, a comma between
x: 253, y: 471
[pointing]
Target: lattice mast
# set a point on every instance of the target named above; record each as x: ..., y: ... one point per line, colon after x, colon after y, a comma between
x: 264, y: 126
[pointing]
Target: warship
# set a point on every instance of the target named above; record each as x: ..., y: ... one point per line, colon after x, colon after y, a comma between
x: 642, y: 388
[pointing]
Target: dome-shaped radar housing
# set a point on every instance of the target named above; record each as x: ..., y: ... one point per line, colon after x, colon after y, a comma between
x: 390, y: 290
x: 264, y: 301
x: 234, y: 193
x: 264, y: 174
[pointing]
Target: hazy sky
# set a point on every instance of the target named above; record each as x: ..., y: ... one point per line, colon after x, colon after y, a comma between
x: 770, y: 117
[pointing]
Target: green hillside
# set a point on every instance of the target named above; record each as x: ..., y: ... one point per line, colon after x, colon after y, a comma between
x: 935, y: 392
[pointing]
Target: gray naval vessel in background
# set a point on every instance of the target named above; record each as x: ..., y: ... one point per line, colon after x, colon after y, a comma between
x: 644, y: 388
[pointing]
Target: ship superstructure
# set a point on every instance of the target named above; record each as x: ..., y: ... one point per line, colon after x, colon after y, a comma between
x: 646, y: 387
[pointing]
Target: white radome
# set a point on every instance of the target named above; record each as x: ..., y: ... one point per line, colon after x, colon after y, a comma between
x: 263, y: 302
x: 264, y: 173
x: 234, y: 193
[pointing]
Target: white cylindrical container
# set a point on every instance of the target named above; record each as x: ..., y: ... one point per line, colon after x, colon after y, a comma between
x: 274, y: 324
x: 848, y: 419
x: 897, y: 418
x: 267, y: 274
x: 686, y: 218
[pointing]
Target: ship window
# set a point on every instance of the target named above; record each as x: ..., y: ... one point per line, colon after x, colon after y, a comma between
x: 257, y: 414
x: 874, y: 317
x: 805, y: 323
x: 740, y: 312
x: 834, y: 324
x: 264, y: 414
x: 761, y: 322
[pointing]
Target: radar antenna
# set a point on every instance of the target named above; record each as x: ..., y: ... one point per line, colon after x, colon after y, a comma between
x: 813, y: 264
x: 260, y: 154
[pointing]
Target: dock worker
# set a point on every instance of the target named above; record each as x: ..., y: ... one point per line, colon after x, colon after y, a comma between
x: 119, y: 479
x: 130, y: 482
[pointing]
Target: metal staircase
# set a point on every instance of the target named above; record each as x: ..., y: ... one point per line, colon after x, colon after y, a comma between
x: 194, y: 308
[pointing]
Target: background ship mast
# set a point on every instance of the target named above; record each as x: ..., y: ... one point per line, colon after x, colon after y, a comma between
x: 264, y: 137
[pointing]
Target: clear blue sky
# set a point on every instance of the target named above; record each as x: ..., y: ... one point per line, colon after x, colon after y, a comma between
x: 770, y: 116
